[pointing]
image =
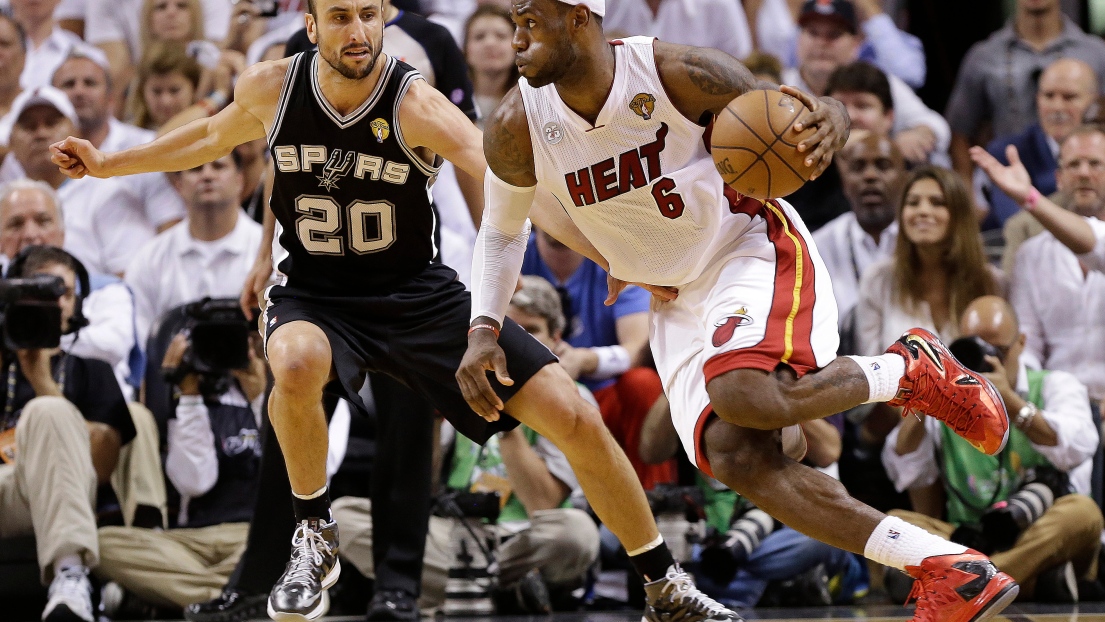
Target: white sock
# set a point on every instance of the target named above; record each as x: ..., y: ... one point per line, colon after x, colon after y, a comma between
x: 898, y: 544
x: 314, y: 495
x: 67, y: 561
x: 883, y: 372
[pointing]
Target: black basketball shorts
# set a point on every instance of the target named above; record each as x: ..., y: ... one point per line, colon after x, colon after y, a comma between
x: 417, y: 333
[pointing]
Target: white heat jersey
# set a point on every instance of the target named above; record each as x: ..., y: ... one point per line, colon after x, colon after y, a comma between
x: 639, y: 183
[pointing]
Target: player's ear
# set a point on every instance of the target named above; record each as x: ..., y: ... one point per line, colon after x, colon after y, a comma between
x: 312, y: 28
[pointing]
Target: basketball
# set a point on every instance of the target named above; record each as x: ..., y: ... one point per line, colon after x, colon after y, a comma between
x: 755, y: 147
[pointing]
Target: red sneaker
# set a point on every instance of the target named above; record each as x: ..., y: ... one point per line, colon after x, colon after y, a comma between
x: 938, y: 385
x: 960, y: 588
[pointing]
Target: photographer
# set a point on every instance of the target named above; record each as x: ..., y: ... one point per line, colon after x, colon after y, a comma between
x: 984, y: 498
x: 535, y: 527
x: 63, y: 422
x: 213, y: 458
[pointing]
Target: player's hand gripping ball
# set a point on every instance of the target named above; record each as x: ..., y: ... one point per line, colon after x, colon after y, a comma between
x: 755, y: 147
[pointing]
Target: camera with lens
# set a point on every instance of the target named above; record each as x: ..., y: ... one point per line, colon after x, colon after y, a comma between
x: 685, y: 500
x: 474, y: 572
x: 465, y: 504
x: 218, y: 342
x: 30, y: 313
x: 972, y: 352
x: 724, y: 553
x: 1006, y: 520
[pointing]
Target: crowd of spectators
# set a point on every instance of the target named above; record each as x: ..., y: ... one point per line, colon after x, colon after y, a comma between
x: 977, y: 216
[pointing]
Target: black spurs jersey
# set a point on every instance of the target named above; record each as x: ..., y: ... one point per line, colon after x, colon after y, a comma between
x: 351, y: 199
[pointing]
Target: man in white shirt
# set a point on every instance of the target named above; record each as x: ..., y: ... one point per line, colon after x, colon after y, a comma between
x: 1053, y: 431
x: 104, y: 221
x: 827, y: 40
x: 208, y: 254
x: 86, y: 79
x: 47, y: 43
x: 872, y: 170
x: 1061, y: 302
x: 718, y: 24
x: 31, y: 215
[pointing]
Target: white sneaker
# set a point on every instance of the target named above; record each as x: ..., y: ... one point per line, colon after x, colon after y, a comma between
x: 70, y: 596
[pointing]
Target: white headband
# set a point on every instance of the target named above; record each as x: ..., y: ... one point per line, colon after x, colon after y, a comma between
x: 598, y: 7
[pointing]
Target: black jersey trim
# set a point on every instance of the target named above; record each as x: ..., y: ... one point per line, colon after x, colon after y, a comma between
x: 363, y: 109
x: 285, y: 95
x: 404, y: 86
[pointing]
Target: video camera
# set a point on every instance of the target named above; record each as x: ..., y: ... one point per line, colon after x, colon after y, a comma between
x: 218, y: 342
x: 29, y: 312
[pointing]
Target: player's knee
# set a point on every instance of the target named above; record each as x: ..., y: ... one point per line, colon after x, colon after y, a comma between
x: 749, y: 398
x: 300, y: 360
x: 739, y: 457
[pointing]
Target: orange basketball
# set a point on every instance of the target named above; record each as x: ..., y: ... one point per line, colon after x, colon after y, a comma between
x: 755, y: 147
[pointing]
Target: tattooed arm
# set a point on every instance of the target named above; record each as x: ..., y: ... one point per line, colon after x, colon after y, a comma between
x: 703, y: 81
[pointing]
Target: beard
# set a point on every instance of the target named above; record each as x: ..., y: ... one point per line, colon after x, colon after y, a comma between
x: 348, y: 71
x: 565, y: 59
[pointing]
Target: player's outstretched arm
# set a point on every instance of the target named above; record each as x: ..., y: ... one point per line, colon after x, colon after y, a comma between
x: 702, y: 81
x: 191, y: 145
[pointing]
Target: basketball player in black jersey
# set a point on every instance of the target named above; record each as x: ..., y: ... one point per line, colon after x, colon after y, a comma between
x: 356, y: 139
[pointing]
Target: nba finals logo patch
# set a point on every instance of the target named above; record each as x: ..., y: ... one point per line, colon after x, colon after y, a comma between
x: 336, y: 168
x: 553, y: 133
x: 642, y: 105
x: 727, y: 325
x: 380, y: 129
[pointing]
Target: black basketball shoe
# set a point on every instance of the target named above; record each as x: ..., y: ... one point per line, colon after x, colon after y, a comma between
x: 674, y: 598
x: 300, y: 593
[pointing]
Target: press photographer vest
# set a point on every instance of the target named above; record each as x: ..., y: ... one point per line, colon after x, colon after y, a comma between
x: 470, y: 461
x: 974, y: 480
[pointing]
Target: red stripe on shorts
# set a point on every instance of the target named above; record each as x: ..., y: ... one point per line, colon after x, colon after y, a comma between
x: 700, y: 458
x: 793, y: 270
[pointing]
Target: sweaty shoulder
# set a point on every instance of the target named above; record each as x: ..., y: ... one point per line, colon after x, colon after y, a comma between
x: 506, y: 142
x: 700, y: 80
x: 258, y: 88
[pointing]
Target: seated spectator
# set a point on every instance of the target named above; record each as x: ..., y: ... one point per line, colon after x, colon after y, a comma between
x: 865, y: 92
x: 63, y: 425
x: 1067, y: 90
x: 872, y: 170
x: 86, y: 80
x: 883, y: 45
x: 937, y: 269
x: 996, y: 83
x: 181, y: 22
x: 490, y: 57
x: 115, y: 26
x: 717, y: 24
x: 30, y: 215
x: 13, y: 55
x: 827, y: 42
x: 47, y: 44
x: 105, y: 222
x: 1058, y: 300
x: 537, y: 528
x: 212, y: 460
x: 209, y: 254
x: 166, y: 83
x: 605, y: 347
x: 1052, y: 441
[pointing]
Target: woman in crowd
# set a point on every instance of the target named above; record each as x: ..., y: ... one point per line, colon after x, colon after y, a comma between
x: 165, y: 85
x: 490, y: 57
x: 938, y: 265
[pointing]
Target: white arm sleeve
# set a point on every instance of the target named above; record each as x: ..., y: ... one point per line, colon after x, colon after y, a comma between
x: 500, y: 246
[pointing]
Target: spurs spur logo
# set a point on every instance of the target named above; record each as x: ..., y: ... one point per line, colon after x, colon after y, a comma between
x: 336, y: 168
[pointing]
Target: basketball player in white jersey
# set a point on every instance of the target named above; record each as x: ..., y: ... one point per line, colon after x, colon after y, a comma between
x: 615, y: 130
x: 355, y: 294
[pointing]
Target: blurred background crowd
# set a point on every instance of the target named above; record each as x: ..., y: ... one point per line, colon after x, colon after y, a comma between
x: 136, y: 456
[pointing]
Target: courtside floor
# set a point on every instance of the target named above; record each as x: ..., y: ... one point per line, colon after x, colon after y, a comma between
x: 1089, y: 612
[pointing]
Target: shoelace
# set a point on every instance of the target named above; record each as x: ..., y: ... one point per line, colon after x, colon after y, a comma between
x: 680, y: 590
x: 928, y: 600
x: 927, y: 392
x: 307, y: 557
x: 71, y: 584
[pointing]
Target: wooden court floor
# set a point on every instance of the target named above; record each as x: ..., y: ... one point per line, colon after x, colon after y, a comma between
x: 1088, y: 612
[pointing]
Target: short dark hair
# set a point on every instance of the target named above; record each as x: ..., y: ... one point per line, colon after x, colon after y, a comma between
x: 40, y: 257
x: 861, y: 77
x: 311, y: 8
x: 1083, y: 130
